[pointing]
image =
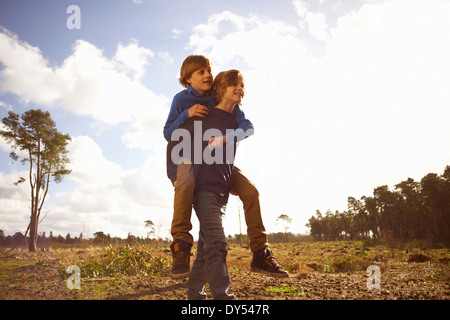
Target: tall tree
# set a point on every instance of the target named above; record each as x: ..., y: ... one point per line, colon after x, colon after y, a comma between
x: 360, y: 217
x: 286, y: 221
x: 44, y: 149
x: 413, y: 210
x: 411, y: 203
x: 315, y: 225
x: 372, y: 215
x: 435, y: 192
x: 149, y: 224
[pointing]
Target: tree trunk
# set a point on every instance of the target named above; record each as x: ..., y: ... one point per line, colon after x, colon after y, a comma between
x: 32, y: 245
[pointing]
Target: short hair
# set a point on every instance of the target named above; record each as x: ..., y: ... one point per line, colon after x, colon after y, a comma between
x: 223, y: 80
x: 191, y: 64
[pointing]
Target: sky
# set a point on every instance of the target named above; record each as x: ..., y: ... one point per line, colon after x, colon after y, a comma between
x: 345, y: 96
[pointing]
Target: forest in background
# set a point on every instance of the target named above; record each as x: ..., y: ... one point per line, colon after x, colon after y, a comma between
x: 102, y: 239
x: 413, y: 210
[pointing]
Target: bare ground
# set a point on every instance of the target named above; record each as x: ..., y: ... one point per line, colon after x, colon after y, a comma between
x: 318, y: 271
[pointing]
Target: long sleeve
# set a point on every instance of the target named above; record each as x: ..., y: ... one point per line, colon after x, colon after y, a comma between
x: 245, y: 127
x: 177, y: 117
x: 181, y: 103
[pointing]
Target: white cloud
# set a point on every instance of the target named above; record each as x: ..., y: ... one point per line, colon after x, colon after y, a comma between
x: 26, y: 72
x: 264, y: 45
x: 300, y: 8
x: 15, y: 202
x: 89, y: 166
x: 110, y: 91
x: 6, y: 106
x: 148, y: 185
x: 371, y: 110
x: 317, y: 25
x: 96, y: 86
x: 101, y: 196
x: 105, y: 193
x: 7, y: 146
x: 87, y: 83
x: 88, y: 163
x: 165, y: 57
x: 133, y: 58
x: 176, y: 33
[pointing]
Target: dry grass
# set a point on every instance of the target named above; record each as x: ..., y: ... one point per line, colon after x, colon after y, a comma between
x: 318, y: 270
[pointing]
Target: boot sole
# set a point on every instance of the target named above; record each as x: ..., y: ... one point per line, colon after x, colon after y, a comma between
x: 272, y: 274
x: 180, y: 275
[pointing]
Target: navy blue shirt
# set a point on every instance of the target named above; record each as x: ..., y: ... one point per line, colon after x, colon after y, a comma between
x: 185, y: 99
x: 215, y: 176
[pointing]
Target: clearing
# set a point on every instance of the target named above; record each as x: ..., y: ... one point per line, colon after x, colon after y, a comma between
x: 318, y: 271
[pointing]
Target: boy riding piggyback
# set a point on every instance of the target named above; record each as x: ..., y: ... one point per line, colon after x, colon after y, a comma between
x: 195, y: 101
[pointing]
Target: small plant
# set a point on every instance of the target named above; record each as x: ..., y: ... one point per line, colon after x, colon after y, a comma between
x: 282, y: 289
x: 125, y: 260
x: 286, y: 290
x: 342, y: 264
x: 328, y: 265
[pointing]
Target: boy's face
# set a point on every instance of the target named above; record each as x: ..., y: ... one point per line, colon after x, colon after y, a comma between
x: 201, y: 80
x: 235, y: 93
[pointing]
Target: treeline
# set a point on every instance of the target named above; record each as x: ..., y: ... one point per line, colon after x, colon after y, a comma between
x: 414, y: 210
x: 279, y: 237
x: 100, y: 239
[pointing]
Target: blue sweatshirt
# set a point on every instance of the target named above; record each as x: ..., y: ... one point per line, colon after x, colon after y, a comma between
x: 185, y: 99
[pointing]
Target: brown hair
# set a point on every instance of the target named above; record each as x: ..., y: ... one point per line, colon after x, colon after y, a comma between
x: 191, y: 64
x: 223, y: 80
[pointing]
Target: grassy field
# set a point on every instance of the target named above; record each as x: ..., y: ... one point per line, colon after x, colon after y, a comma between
x: 318, y: 270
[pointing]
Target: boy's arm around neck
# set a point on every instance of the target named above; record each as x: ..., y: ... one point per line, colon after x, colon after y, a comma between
x: 245, y: 127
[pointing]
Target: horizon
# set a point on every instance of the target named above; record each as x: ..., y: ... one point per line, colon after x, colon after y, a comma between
x: 344, y: 97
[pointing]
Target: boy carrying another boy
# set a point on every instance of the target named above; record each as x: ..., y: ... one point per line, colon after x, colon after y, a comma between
x: 196, y: 101
x: 213, y: 168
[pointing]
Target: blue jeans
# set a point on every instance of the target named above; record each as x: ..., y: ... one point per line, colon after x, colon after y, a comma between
x: 210, y: 263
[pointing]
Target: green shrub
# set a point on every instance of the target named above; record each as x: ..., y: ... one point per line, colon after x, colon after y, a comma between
x: 125, y: 260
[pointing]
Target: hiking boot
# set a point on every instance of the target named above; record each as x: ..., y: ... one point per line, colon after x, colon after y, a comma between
x: 181, y: 255
x: 264, y: 262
